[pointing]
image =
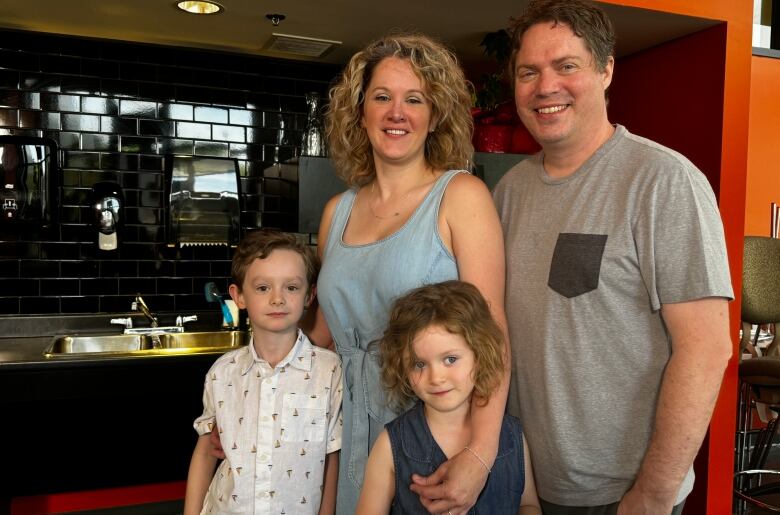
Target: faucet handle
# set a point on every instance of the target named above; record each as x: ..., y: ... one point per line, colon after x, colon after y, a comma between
x: 127, y: 322
x: 180, y: 320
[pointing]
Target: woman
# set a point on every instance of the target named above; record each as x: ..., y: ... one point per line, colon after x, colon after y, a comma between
x: 399, y: 130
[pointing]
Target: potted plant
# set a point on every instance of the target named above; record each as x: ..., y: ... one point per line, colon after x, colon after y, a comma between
x: 497, y: 128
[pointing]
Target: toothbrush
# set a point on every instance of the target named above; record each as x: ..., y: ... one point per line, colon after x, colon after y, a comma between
x: 213, y: 295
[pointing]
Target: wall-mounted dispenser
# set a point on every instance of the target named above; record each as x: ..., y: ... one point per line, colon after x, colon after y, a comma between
x: 29, y: 167
x: 202, y: 200
x: 106, y: 203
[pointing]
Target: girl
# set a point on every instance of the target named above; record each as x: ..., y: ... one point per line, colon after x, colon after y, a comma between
x: 443, y: 348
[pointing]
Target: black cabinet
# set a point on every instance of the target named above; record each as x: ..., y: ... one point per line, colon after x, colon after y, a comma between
x: 491, y: 166
x: 122, y: 423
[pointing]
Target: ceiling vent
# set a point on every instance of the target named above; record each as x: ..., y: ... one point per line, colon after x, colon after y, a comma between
x: 299, y: 45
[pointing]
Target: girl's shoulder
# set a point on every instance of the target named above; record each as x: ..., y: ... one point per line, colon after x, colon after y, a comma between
x: 511, y: 437
x: 512, y: 422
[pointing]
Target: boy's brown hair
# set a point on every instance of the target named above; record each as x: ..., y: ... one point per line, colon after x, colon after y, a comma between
x: 455, y: 306
x: 260, y: 243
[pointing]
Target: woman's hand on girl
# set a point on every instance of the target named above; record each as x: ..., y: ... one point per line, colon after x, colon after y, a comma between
x: 454, y: 487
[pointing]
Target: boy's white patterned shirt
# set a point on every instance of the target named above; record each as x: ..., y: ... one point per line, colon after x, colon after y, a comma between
x: 276, y: 426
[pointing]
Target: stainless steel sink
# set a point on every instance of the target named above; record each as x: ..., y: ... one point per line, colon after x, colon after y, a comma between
x: 204, y: 340
x: 144, y: 344
x: 107, y: 343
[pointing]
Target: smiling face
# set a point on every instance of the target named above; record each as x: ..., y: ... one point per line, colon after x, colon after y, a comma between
x: 442, y: 372
x: 275, y: 292
x: 396, y: 113
x: 559, y: 93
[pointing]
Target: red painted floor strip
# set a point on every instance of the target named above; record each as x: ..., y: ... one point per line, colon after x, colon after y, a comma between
x: 97, y: 499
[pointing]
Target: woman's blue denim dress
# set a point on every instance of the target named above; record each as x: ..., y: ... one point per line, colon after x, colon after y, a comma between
x: 356, y: 288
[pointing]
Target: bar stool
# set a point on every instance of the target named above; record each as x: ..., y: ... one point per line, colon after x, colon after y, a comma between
x: 761, y: 384
x: 760, y: 376
x: 760, y: 287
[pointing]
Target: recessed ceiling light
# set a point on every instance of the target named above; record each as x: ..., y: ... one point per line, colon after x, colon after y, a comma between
x: 199, y: 7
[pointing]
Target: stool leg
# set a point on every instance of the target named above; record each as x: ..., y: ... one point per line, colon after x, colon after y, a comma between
x: 766, y: 444
x: 742, y: 443
x: 743, y: 425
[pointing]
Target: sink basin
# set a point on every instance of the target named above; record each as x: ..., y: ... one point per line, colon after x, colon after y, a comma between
x: 144, y: 344
x: 204, y: 340
x: 108, y: 343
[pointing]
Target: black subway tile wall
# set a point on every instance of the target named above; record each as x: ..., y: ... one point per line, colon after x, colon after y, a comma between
x: 115, y: 109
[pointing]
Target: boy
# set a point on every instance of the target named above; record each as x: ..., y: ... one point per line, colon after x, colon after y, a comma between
x: 276, y: 402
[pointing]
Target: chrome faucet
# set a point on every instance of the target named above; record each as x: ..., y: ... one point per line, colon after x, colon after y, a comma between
x: 140, y: 305
x: 154, y: 331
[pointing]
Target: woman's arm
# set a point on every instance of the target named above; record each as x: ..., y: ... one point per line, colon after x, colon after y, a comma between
x: 202, y: 466
x: 470, y: 226
x: 328, y: 504
x: 378, y: 490
x: 529, y: 502
x: 313, y: 323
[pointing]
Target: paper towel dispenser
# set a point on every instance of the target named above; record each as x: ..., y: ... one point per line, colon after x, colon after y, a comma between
x: 202, y: 200
x: 29, y: 167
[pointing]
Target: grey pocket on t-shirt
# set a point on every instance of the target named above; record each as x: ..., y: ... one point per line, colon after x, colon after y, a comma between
x: 576, y: 263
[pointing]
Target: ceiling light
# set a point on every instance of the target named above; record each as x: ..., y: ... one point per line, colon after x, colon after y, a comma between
x: 199, y: 7
x: 299, y: 45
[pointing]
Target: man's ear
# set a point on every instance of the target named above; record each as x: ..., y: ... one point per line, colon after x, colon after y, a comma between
x: 237, y: 296
x: 609, y: 69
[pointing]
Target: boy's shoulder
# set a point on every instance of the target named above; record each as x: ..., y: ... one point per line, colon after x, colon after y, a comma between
x: 236, y: 361
x: 232, y: 358
x: 321, y: 357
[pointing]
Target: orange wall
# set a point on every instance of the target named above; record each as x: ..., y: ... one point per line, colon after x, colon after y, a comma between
x: 733, y: 165
x: 763, y: 177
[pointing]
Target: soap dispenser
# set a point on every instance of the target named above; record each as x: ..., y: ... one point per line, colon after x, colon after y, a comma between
x: 107, y: 202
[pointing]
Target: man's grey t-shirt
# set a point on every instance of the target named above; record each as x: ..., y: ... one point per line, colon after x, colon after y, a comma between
x: 590, y: 259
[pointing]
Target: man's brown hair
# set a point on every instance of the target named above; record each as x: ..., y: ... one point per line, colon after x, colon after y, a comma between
x: 585, y: 19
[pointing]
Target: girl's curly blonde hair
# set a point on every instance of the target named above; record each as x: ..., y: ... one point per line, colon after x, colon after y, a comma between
x: 455, y: 306
x: 448, y: 147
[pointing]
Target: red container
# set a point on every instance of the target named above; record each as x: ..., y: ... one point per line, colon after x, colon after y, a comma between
x: 522, y: 141
x: 492, y: 138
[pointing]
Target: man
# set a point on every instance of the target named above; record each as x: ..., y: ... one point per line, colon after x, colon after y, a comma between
x: 617, y: 283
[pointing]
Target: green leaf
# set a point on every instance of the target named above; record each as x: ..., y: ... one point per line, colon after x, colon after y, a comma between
x: 498, y: 45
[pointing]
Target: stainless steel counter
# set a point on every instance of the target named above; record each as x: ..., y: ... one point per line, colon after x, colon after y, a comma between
x: 19, y: 350
x: 23, y: 340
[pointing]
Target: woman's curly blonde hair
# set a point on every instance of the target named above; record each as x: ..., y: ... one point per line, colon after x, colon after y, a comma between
x: 459, y: 308
x: 448, y: 147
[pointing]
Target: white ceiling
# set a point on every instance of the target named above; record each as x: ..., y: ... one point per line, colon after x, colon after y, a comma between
x: 243, y: 27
